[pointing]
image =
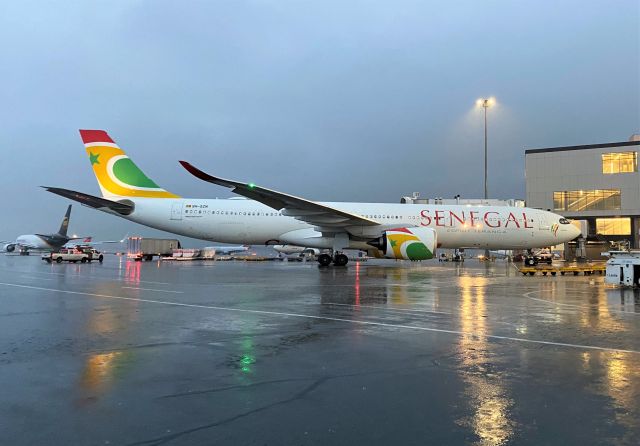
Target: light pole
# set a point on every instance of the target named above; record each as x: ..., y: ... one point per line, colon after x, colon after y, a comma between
x: 485, y: 104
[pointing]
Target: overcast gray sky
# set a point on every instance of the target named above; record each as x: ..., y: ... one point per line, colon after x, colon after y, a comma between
x: 330, y: 100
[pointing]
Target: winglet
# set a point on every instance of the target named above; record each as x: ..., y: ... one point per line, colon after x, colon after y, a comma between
x: 193, y: 170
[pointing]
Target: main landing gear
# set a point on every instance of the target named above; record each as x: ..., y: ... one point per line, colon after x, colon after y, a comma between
x: 338, y: 259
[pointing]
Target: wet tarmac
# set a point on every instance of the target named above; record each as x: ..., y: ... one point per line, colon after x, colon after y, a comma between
x: 268, y: 353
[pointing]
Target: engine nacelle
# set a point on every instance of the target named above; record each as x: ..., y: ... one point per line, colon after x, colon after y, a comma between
x: 10, y: 247
x: 407, y: 243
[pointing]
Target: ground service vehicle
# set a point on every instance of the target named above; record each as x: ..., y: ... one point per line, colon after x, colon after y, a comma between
x: 540, y: 256
x: 74, y: 255
x: 144, y: 248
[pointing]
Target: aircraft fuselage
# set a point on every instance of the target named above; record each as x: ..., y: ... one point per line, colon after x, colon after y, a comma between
x: 249, y: 222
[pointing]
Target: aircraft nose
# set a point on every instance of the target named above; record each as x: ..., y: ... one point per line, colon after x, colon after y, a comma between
x: 575, y: 232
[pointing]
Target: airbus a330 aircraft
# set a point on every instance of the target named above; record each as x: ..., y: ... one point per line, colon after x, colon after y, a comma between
x: 42, y: 242
x: 397, y: 231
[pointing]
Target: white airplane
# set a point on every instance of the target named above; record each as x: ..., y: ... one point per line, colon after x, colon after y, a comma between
x: 226, y: 250
x: 42, y: 242
x: 88, y: 241
x: 293, y: 249
x: 397, y: 231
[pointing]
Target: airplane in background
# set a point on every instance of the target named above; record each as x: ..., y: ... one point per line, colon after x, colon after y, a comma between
x: 267, y: 217
x: 88, y: 241
x: 293, y: 249
x: 42, y: 242
x: 226, y: 250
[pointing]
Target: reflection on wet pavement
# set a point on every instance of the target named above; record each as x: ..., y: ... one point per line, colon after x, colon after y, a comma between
x: 487, y: 398
x: 98, y: 372
x: 279, y: 353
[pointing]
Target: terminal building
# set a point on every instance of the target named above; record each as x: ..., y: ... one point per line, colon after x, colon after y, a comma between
x: 597, y: 184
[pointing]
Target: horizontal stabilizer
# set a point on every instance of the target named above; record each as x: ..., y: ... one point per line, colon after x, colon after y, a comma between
x: 120, y: 207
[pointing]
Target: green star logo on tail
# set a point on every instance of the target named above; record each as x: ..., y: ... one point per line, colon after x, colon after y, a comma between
x: 94, y: 158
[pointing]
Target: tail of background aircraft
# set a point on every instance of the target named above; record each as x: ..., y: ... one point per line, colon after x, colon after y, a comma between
x: 117, y: 175
x: 64, y: 226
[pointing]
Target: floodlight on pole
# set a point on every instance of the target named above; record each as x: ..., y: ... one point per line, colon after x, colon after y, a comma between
x: 485, y: 103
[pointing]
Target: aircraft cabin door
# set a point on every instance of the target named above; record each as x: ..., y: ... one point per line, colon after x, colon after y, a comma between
x: 176, y: 210
x: 543, y: 223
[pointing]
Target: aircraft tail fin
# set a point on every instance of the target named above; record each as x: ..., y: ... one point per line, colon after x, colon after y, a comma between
x: 116, y: 173
x: 64, y: 226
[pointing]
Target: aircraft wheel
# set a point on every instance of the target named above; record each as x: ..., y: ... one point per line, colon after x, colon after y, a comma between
x: 340, y: 260
x: 324, y: 259
x: 59, y: 260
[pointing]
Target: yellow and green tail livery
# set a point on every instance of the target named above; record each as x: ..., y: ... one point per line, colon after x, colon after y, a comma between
x: 117, y: 175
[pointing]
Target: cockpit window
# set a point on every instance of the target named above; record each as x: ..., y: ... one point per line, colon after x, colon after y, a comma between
x: 564, y: 221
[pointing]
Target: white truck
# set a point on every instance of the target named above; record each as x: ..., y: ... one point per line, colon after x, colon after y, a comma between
x: 144, y: 248
x: 623, y: 268
x: 73, y: 255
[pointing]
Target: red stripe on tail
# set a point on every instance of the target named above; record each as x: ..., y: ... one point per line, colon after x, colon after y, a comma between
x: 89, y: 136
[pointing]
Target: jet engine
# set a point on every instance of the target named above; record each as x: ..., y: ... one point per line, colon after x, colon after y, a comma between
x: 407, y: 243
x: 10, y: 247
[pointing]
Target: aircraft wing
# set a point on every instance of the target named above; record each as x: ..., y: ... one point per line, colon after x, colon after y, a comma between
x: 22, y: 245
x: 311, y: 212
x: 26, y: 245
x: 99, y: 242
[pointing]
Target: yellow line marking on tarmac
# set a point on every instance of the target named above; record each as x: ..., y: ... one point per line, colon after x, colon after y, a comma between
x: 335, y: 319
